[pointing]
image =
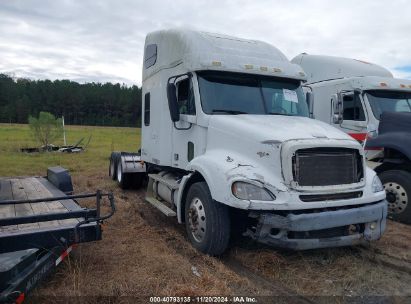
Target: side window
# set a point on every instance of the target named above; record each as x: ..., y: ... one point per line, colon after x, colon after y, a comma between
x: 353, y: 109
x: 150, y: 55
x: 147, y: 109
x: 185, y: 97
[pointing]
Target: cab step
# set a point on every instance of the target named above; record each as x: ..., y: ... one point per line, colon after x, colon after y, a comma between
x: 161, y: 206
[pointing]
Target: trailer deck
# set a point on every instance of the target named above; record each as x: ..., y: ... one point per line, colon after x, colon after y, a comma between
x: 39, y: 224
x: 32, y: 188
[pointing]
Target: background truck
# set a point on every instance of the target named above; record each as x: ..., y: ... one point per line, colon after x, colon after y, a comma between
x: 227, y: 140
x: 353, y: 96
x: 394, y: 169
x: 40, y: 223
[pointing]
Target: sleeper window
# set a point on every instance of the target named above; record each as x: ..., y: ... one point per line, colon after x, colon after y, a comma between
x: 150, y: 55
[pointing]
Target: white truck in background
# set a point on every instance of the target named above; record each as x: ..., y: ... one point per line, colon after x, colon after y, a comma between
x: 352, y: 95
x: 227, y: 141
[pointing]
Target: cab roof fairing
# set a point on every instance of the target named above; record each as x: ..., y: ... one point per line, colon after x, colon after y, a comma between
x: 322, y: 68
x: 380, y: 83
x: 197, y: 51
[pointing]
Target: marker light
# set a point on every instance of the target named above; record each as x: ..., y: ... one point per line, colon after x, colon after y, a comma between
x: 377, y: 185
x: 301, y: 74
x: 403, y: 86
x: 264, y: 69
x: 248, y: 66
x: 383, y: 84
x: 277, y: 70
x: 409, y: 86
x: 216, y: 63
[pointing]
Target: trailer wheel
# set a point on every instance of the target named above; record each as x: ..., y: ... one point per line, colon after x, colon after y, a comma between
x: 207, y: 221
x: 112, y: 169
x: 397, y: 184
x: 123, y: 179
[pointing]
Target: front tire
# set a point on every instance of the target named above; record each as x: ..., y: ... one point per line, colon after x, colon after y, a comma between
x: 207, y: 221
x: 397, y: 184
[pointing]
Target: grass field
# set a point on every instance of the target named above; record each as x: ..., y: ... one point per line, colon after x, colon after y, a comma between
x: 144, y: 253
x: 94, y: 159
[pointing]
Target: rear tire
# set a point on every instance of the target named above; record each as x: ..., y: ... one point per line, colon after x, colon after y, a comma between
x: 112, y: 168
x: 123, y: 179
x: 207, y: 221
x: 397, y: 184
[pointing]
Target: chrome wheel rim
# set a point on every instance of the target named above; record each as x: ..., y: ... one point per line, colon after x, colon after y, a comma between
x: 197, y: 219
x: 397, y: 197
x: 119, y: 173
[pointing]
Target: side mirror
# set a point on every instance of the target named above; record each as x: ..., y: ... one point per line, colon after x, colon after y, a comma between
x: 172, y: 102
x: 337, y: 104
x: 310, y: 102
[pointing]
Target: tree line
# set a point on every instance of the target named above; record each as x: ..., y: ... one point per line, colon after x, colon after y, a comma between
x: 99, y: 104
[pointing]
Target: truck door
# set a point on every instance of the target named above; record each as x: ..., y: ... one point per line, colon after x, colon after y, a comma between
x: 354, y: 116
x: 184, y: 132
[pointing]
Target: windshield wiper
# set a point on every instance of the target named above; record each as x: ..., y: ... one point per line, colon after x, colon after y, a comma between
x: 275, y: 113
x: 234, y: 112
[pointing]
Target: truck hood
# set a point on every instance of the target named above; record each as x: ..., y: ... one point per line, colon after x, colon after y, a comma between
x: 276, y: 128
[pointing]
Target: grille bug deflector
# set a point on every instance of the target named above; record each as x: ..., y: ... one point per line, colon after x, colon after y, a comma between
x: 327, y: 166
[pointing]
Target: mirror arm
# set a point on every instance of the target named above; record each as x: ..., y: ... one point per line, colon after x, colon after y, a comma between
x: 172, y: 98
x: 178, y: 128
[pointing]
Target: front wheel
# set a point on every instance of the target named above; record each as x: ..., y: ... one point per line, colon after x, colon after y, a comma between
x: 397, y: 184
x: 207, y: 221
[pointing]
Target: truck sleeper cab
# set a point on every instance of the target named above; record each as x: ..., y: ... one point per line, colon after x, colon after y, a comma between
x: 226, y: 135
x: 353, y: 96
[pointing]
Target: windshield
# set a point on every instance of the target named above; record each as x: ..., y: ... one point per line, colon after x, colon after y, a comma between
x: 234, y: 93
x: 386, y: 101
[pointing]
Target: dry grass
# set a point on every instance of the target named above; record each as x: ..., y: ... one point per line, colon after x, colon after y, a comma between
x: 139, y: 256
x: 146, y: 254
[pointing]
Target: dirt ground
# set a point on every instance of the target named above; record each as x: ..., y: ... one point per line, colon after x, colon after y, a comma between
x: 144, y: 253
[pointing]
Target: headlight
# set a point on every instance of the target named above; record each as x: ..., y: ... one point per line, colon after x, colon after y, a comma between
x: 246, y: 191
x: 377, y: 185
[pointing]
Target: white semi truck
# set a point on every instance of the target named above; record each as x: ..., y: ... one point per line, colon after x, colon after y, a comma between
x: 352, y: 95
x: 227, y: 139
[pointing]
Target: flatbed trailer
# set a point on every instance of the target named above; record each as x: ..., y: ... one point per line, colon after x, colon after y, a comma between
x: 40, y: 223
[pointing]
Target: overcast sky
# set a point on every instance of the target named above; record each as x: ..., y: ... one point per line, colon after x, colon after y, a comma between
x: 96, y: 40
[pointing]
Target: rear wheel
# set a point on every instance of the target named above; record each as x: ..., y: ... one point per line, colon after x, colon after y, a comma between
x: 397, y: 184
x: 207, y: 221
x: 112, y: 169
x: 123, y: 179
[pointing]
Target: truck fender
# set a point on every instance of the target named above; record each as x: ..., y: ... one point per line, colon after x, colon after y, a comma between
x: 185, y: 185
x: 215, y: 174
x: 400, y: 141
x: 181, y: 195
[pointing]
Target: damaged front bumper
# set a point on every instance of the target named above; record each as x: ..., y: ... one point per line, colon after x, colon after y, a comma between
x: 343, y: 227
